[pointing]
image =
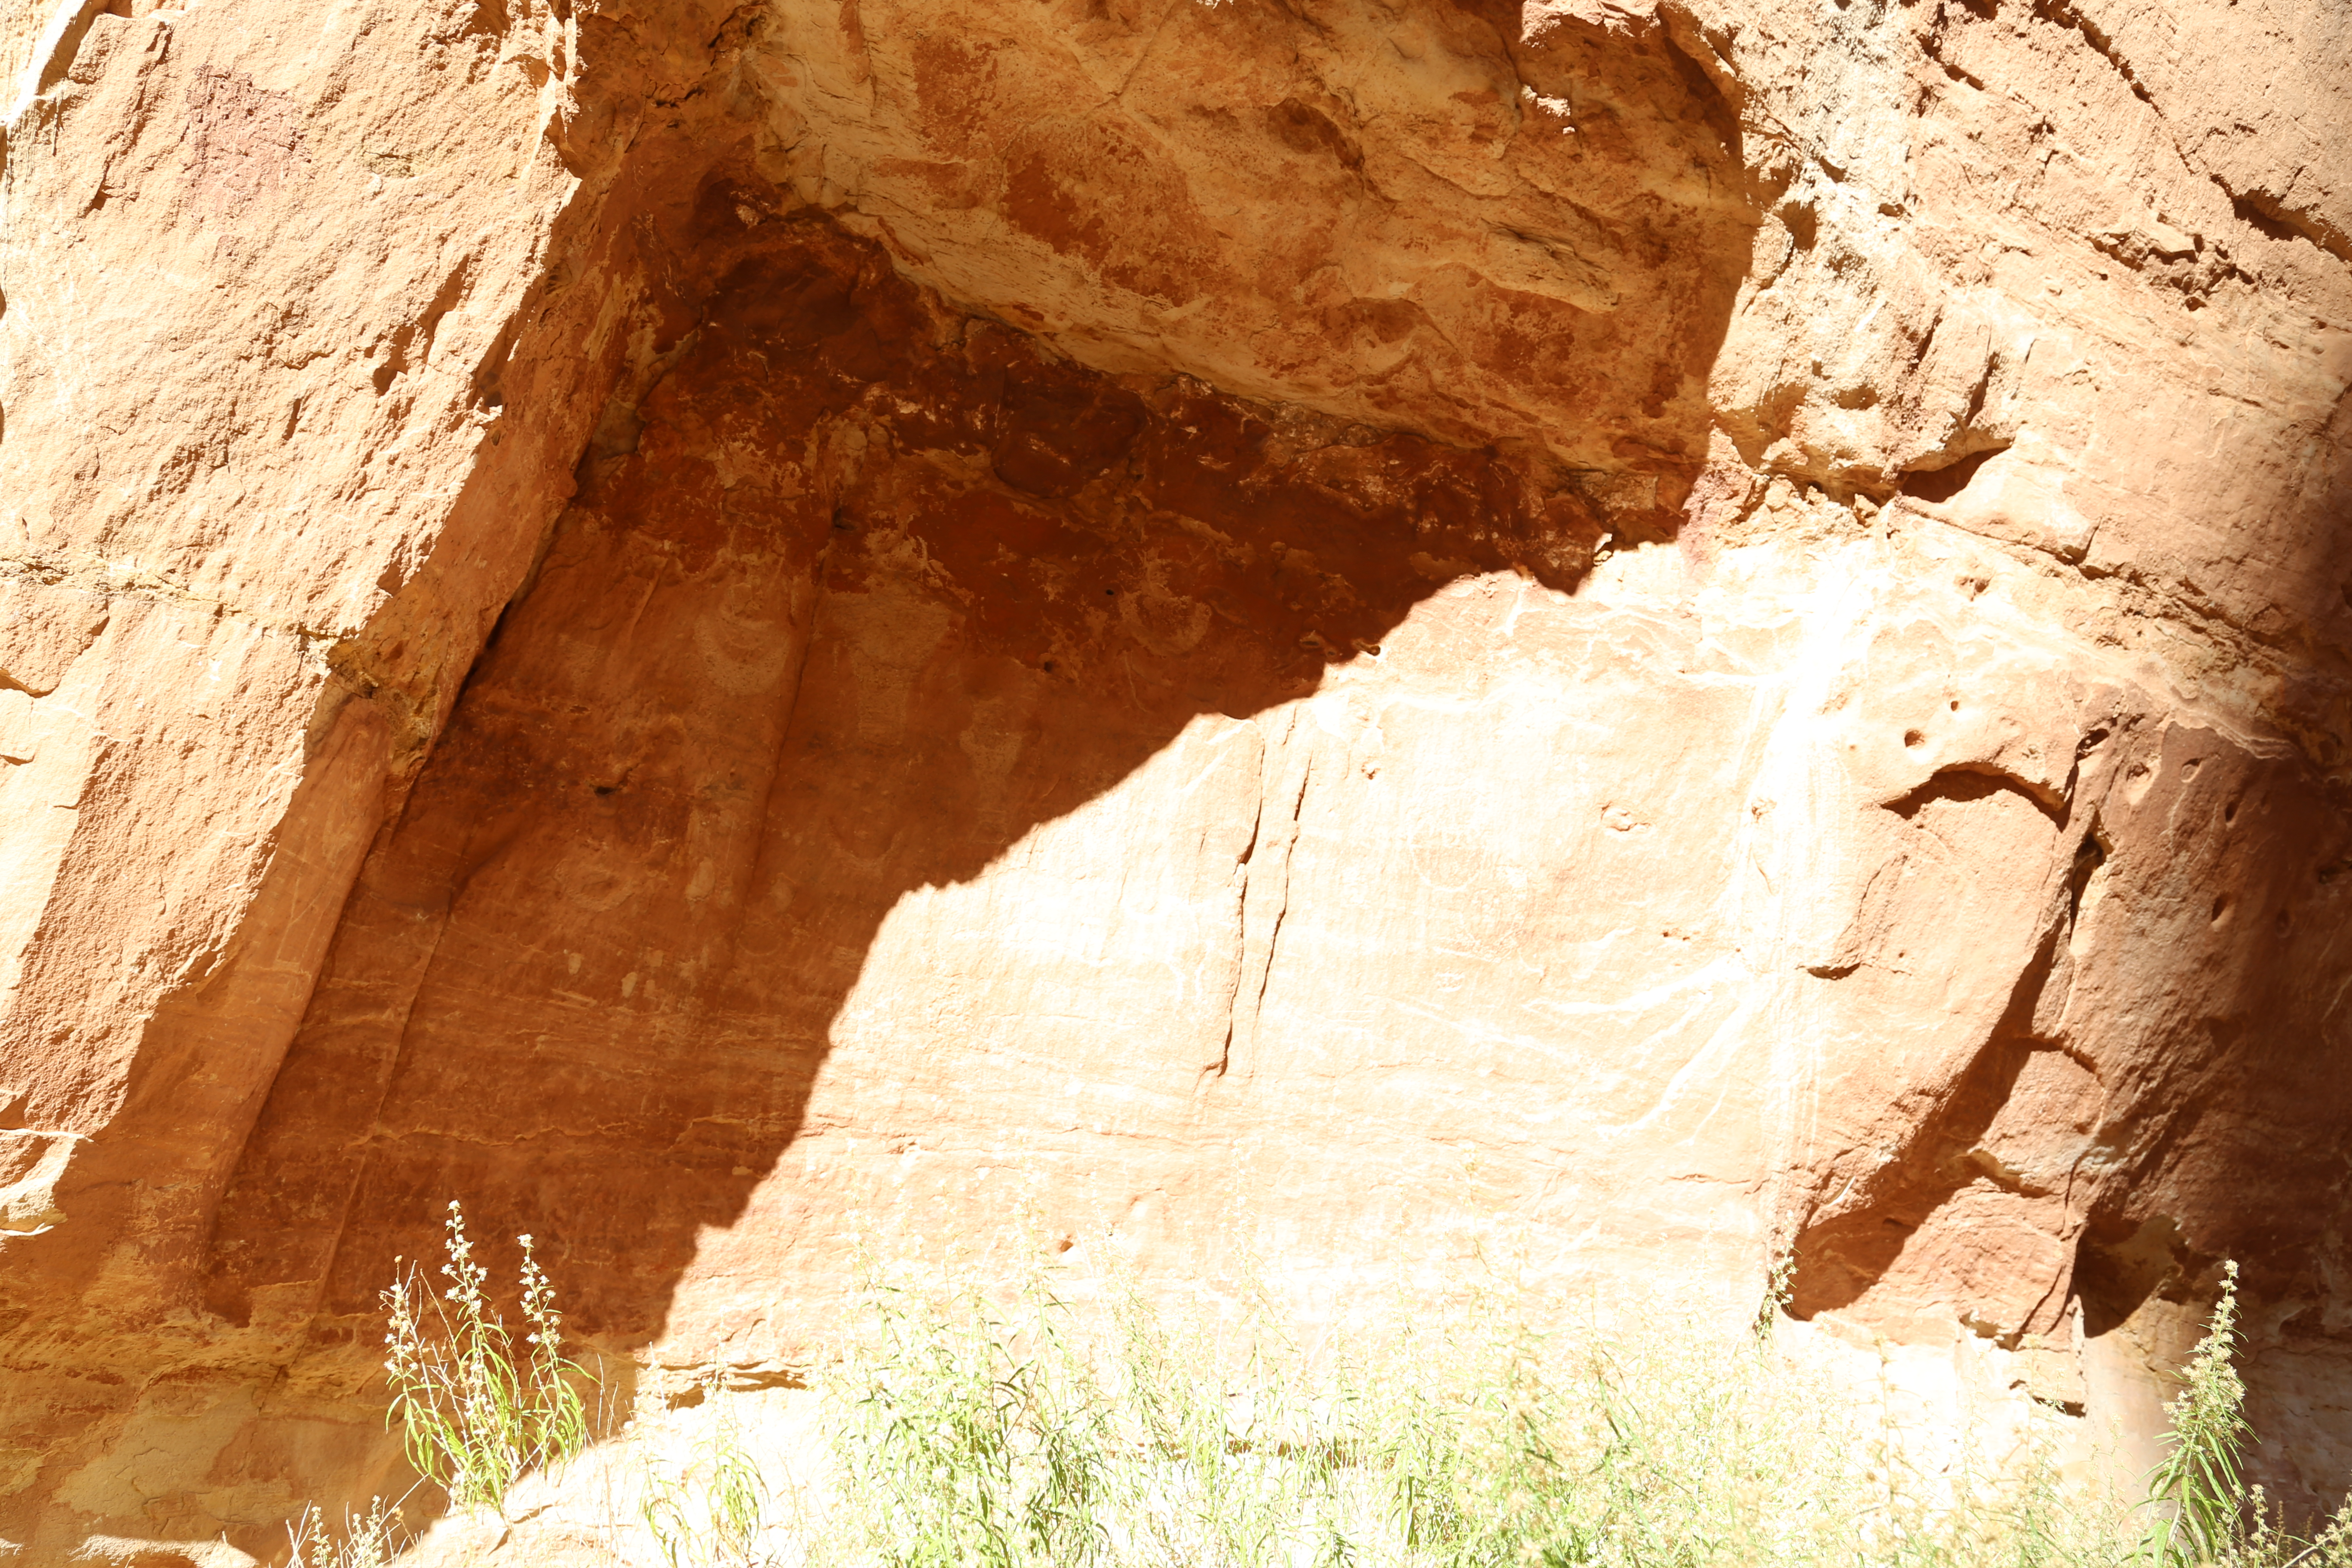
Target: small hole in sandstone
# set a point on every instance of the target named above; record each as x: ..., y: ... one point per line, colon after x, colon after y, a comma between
x: 605, y: 789
x: 2229, y: 813
x: 2221, y: 908
x: 1956, y: 704
x: 1940, y: 484
x: 1048, y: 666
x: 1912, y: 736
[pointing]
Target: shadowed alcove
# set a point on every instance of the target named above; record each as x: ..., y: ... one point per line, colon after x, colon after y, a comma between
x: 859, y: 592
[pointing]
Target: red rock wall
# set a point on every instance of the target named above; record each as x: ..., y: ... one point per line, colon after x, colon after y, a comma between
x: 1667, y: 636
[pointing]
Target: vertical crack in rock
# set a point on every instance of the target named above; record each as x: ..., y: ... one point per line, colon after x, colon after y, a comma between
x: 1216, y: 1069
x: 1266, y: 896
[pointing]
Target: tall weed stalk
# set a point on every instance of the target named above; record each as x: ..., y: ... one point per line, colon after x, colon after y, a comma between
x: 2198, y: 1492
x: 370, y: 1540
x: 476, y: 1411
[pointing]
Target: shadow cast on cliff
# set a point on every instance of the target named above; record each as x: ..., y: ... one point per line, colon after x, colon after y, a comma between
x: 860, y: 594
x: 858, y: 590
x: 857, y: 595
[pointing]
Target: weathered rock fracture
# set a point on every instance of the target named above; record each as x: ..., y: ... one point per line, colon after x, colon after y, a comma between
x: 1690, y: 632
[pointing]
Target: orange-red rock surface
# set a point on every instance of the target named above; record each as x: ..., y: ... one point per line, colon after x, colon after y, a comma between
x: 1679, y: 634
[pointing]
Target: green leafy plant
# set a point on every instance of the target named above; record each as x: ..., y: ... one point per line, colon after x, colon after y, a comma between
x: 713, y: 1511
x: 1220, y: 1448
x: 476, y: 1411
x: 972, y: 1444
x: 2198, y: 1493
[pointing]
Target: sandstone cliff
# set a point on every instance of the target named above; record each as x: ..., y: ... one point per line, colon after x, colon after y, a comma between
x: 1688, y: 629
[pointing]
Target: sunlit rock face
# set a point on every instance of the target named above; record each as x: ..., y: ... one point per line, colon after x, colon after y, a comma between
x: 1332, y: 640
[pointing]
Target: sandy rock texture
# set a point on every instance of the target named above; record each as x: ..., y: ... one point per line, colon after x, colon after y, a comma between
x: 1683, y: 633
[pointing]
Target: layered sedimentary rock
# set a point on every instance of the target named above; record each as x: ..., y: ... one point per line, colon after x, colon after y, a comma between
x: 1687, y: 636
